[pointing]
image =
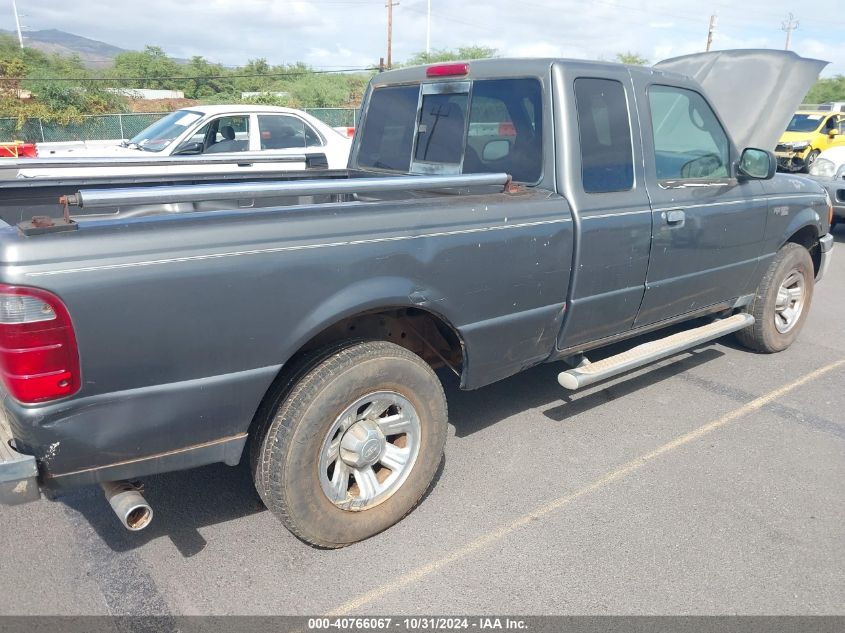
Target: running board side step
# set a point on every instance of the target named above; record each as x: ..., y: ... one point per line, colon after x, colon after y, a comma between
x: 588, y: 373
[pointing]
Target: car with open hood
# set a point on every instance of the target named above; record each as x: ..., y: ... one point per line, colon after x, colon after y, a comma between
x: 808, y: 135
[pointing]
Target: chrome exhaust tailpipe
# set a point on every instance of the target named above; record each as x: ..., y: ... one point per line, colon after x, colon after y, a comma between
x: 128, y: 504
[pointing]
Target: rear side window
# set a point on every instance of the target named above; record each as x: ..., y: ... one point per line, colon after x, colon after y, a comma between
x: 505, y: 129
x: 689, y: 141
x: 607, y: 161
x: 389, y: 129
x: 280, y: 131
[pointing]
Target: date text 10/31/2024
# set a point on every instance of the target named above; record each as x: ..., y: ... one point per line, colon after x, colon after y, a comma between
x: 417, y: 623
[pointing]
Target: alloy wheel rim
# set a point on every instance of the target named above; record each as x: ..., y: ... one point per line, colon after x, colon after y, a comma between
x: 789, y: 303
x: 369, y: 451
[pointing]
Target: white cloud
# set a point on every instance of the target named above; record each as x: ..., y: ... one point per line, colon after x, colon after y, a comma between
x: 337, y: 32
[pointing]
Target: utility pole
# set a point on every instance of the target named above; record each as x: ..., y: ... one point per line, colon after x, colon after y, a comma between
x: 17, y: 22
x: 390, y: 4
x: 428, y: 31
x: 790, y: 25
x: 710, y: 31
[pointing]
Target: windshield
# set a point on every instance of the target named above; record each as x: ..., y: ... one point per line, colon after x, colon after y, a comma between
x: 162, y: 133
x: 805, y: 123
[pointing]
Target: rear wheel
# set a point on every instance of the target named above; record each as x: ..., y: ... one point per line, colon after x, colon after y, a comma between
x: 354, y: 446
x: 782, y: 301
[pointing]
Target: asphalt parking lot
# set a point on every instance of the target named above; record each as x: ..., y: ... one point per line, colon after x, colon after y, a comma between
x: 711, y: 483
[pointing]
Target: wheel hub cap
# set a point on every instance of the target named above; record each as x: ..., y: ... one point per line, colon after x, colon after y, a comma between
x: 369, y: 450
x: 789, y: 303
x: 362, y: 445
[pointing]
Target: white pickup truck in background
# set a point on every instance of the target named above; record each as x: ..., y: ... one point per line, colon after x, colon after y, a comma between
x: 239, y: 131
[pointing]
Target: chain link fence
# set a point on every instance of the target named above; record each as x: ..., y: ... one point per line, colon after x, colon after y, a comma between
x: 335, y: 117
x: 119, y: 126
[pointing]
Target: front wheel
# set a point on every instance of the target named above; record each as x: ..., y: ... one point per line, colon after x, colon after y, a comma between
x: 811, y: 158
x: 354, y: 446
x: 782, y: 301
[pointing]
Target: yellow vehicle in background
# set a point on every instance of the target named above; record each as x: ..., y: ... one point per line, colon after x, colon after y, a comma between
x: 808, y: 135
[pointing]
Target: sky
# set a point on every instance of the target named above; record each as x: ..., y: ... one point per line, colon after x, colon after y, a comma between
x: 353, y: 33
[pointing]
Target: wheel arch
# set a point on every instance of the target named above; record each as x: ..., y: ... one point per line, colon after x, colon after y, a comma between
x: 808, y: 237
x: 356, y: 311
x: 392, y: 309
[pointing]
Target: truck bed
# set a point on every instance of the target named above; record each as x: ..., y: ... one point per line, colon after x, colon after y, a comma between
x: 23, y: 198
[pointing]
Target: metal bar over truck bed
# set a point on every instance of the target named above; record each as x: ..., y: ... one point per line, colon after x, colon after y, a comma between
x: 97, y: 198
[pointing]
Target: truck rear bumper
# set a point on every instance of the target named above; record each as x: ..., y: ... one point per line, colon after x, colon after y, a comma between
x: 18, y: 472
x: 130, y: 434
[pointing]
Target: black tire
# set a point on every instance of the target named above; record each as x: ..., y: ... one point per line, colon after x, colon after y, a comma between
x: 764, y: 336
x: 811, y: 158
x: 286, y: 453
x: 266, y: 412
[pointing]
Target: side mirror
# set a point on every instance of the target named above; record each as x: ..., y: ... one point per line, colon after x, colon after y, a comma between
x: 496, y: 150
x: 833, y: 132
x: 757, y: 164
x: 190, y: 148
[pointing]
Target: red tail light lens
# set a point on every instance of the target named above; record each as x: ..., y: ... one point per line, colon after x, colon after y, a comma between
x: 39, y: 359
x: 447, y: 70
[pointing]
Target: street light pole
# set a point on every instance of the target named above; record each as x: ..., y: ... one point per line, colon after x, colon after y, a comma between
x: 17, y: 22
x: 428, y: 31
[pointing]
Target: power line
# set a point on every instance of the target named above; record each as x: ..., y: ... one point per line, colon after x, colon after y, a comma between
x: 118, y: 79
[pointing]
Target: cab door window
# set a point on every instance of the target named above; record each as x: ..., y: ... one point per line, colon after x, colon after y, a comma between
x: 689, y: 141
x: 225, y: 134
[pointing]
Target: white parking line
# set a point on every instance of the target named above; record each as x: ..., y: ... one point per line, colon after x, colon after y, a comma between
x: 561, y: 502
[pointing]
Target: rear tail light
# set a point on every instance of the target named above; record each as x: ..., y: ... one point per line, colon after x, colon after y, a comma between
x: 39, y: 359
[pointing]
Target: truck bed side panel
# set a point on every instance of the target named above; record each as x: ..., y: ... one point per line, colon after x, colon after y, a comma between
x: 210, y: 305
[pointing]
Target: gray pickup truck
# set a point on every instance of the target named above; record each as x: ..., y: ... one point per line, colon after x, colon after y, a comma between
x: 495, y: 215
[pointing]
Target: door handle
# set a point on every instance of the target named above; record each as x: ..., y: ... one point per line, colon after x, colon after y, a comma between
x: 674, y: 216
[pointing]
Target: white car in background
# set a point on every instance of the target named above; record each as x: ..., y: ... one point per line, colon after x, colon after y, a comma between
x: 239, y: 131
x: 829, y: 171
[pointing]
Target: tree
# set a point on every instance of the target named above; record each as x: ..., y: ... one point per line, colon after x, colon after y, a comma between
x: 634, y: 59
x: 207, y: 82
x: 12, y: 71
x: 831, y: 89
x: 152, y: 67
x: 446, y: 55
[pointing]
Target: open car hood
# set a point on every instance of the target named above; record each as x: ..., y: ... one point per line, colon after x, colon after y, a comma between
x: 755, y: 92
